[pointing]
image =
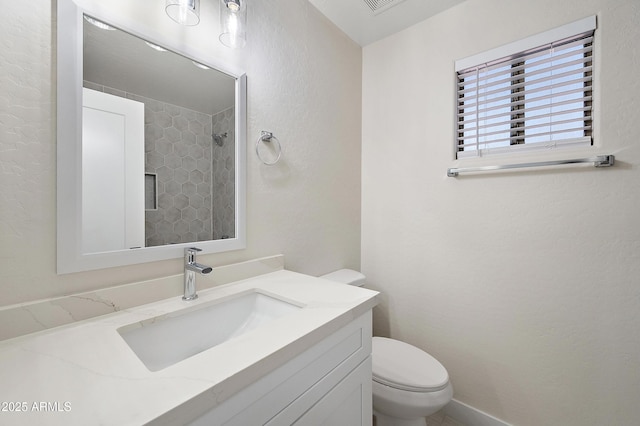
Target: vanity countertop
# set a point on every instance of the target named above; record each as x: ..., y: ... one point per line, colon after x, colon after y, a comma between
x: 84, y: 373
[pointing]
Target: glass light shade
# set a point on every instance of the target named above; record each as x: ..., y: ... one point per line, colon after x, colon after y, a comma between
x: 233, y: 23
x: 185, y: 12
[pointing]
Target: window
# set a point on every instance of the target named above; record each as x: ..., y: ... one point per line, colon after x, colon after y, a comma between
x: 535, y: 93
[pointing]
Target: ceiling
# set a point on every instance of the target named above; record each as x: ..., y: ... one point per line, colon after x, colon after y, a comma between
x: 122, y: 61
x: 367, y: 21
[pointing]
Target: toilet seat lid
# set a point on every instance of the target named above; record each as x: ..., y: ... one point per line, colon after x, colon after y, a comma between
x: 403, y: 366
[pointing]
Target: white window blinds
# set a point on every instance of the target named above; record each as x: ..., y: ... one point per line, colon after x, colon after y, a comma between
x: 540, y: 97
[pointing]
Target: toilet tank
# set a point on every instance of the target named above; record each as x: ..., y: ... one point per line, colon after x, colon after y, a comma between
x: 346, y: 276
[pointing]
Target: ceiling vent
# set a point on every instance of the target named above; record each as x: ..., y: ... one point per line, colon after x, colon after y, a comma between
x: 379, y: 6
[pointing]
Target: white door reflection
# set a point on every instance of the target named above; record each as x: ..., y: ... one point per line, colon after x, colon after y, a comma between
x: 113, y: 173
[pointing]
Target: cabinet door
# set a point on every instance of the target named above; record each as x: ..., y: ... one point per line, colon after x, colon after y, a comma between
x: 347, y: 404
x: 286, y: 394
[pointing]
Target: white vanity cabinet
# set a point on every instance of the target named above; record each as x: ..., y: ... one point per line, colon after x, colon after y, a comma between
x: 327, y: 384
x: 311, y: 366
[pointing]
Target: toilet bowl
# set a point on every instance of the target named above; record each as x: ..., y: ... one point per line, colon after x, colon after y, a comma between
x: 408, y: 383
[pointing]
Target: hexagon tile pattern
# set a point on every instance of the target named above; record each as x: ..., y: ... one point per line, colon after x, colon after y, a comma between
x: 179, y: 150
x: 224, y: 170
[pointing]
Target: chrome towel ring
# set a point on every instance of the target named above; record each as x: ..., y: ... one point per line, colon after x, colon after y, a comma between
x: 267, y: 137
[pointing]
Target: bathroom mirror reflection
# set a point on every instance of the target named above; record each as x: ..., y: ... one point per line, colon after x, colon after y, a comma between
x: 185, y: 136
x: 150, y: 145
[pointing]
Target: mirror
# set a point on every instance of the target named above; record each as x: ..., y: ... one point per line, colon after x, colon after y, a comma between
x: 151, y: 145
x: 187, y: 139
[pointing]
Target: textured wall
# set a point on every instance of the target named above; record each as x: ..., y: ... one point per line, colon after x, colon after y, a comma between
x: 307, y: 207
x: 523, y: 284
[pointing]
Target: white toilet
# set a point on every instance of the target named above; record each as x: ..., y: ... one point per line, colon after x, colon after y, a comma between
x: 408, y: 383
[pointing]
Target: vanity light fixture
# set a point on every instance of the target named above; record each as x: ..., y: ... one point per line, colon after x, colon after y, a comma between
x: 233, y: 23
x: 185, y: 12
x: 98, y: 24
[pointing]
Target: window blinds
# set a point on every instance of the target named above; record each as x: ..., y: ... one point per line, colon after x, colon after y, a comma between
x: 538, y: 98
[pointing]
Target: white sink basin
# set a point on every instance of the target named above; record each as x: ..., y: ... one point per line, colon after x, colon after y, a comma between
x: 163, y: 341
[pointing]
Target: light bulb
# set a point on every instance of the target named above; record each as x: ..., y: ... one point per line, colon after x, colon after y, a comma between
x: 233, y: 5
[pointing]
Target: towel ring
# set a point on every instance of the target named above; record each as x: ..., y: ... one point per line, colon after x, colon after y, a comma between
x: 268, y: 137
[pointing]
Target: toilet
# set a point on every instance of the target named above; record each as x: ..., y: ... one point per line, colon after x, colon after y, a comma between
x: 408, y: 383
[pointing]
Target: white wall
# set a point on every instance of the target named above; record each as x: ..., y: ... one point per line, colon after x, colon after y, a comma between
x: 525, y: 284
x: 304, y: 84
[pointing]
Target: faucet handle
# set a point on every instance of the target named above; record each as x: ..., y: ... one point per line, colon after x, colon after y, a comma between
x: 190, y: 254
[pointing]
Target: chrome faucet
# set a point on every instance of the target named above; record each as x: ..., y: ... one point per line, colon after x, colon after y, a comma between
x: 190, y: 269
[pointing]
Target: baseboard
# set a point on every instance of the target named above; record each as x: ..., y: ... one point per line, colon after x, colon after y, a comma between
x: 470, y: 416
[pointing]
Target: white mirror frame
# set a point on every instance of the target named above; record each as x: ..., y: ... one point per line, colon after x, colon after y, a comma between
x: 69, y: 144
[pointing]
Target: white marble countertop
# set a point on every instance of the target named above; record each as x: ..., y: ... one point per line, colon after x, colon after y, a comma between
x: 85, y: 374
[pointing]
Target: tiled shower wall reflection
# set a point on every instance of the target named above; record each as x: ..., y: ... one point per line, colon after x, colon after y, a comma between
x: 224, y: 171
x: 179, y: 150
